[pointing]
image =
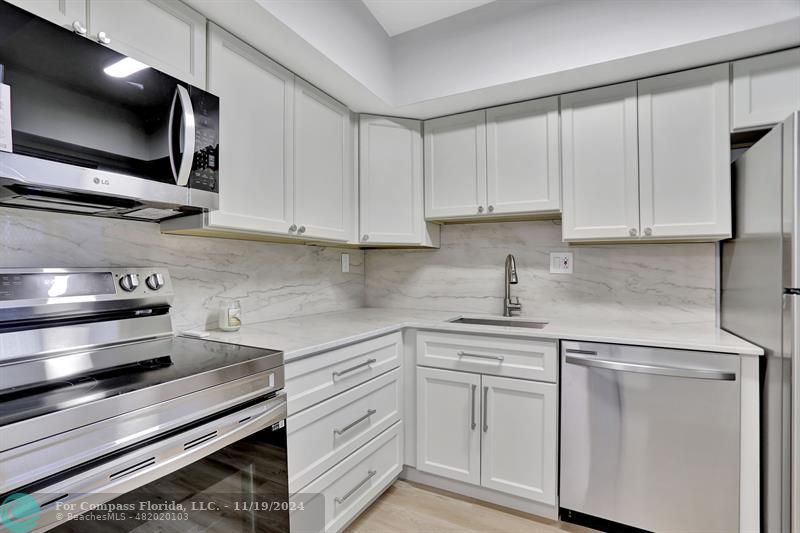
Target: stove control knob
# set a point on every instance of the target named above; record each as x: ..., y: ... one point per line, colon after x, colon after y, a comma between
x: 129, y: 282
x: 155, y: 281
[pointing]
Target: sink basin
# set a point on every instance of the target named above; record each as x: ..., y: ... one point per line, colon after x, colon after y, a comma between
x: 506, y: 322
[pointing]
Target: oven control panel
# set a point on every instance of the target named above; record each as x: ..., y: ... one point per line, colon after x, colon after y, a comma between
x: 49, y: 284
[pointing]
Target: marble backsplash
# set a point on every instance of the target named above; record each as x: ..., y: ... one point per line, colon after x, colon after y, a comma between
x: 271, y: 280
x: 666, y: 283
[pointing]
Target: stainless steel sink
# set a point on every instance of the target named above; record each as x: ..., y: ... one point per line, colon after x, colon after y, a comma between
x: 500, y: 322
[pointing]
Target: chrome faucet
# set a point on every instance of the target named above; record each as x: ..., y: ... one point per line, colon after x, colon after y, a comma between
x: 510, y: 307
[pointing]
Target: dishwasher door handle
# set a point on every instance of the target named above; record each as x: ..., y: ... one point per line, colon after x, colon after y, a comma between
x: 658, y: 370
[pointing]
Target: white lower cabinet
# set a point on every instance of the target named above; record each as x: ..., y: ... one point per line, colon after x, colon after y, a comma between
x: 519, y: 449
x: 500, y: 433
x: 323, y: 435
x: 334, y: 499
x: 448, y: 433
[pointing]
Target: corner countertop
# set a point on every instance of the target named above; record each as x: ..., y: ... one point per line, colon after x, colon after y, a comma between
x: 302, y: 336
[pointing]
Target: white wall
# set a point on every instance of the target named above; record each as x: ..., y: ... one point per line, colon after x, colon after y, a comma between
x: 505, y: 42
x: 504, y: 51
x: 346, y: 32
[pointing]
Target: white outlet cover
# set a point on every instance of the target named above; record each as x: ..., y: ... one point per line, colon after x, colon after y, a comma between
x: 345, y: 262
x: 561, y: 262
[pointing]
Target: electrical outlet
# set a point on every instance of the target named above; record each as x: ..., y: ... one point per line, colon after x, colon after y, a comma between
x: 345, y: 262
x: 561, y: 263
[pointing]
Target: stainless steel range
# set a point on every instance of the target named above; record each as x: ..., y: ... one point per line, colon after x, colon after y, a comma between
x: 109, y: 420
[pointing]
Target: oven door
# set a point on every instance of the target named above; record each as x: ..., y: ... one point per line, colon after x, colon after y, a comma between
x: 226, y: 474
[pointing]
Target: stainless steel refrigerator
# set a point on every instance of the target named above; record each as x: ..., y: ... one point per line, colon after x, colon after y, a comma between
x: 760, y: 301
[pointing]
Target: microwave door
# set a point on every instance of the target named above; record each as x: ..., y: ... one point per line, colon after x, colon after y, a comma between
x: 181, y: 136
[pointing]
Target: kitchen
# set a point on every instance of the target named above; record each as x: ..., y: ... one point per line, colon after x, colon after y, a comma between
x: 344, y: 265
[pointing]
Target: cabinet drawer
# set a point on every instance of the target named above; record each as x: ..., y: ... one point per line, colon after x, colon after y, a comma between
x: 317, y: 378
x: 325, y: 434
x: 344, y: 491
x: 501, y: 356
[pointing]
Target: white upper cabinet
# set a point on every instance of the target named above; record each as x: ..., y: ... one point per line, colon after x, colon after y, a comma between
x: 455, y: 166
x: 165, y: 34
x: 323, y: 170
x: 600, y: 164
x: 391, y: 186
x: 523, y: 168
x: 69, y: 14
x: 256, y: 98
x: 448, y: 424
x: 519, y: 452
x: 766, y: 89
x: 684, y: 154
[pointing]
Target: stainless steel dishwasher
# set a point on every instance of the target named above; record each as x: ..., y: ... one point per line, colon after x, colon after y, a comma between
x: 649, y: 438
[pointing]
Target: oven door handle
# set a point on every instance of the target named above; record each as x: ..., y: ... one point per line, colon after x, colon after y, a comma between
x: 658, y: 370
x: 181, y: 173
x: 131, y: 471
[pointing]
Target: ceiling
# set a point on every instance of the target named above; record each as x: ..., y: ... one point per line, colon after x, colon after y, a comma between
x: 400, y: 16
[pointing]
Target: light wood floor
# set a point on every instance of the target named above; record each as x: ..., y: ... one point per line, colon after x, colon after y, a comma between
x: 411, y: 508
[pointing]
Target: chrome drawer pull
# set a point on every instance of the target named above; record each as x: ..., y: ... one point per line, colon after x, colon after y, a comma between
x: 360, y: 365
x: 369, y: 413
x: 473, y: 407
x: 657, y: 370
x: 481, y: 356
x: 354, y: 489
x: 485, y: 409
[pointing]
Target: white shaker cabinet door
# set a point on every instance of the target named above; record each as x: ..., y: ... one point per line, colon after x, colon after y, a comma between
x: 766, y: 89
x: 448, y: 424
x: 322, y: 165
x: 523, y: 159
x: 65, y: 13
x: 390, y: 172
x: 455, y: 166
x: 256, y: 98
x: 519, y: 424
x: 164, y: 34
x: 684, y: 154
x: 600, y: 164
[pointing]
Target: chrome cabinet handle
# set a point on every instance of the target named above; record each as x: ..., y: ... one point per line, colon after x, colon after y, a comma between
x: 350, y: 426
x: 348, y: 370
x: 485, y: 409
x: 632, y: 232
x: 648, y: 231
x: 491, y: 208
x: 658, y: 370
x: 352, y: 491
x: 481, y: 356
x: 473, y: 407
x: 103, y: 38
x: 365, y: 237
x: 293, y: 227
x: 480, y: 209
x: 301, y: 229
x: 78, y: 28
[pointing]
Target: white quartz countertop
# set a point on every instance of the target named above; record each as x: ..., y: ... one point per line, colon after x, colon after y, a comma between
x: 306, y: 335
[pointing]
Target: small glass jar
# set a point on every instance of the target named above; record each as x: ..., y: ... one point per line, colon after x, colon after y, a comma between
x: 230, y: 316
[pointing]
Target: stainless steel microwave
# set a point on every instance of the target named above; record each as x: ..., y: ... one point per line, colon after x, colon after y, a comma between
x: 95, y: 132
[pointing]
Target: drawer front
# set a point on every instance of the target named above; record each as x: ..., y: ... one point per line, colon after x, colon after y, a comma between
x: 343, y: 492
x: 512, y: 357
x: 317, y: 378
x: 323, y: 435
